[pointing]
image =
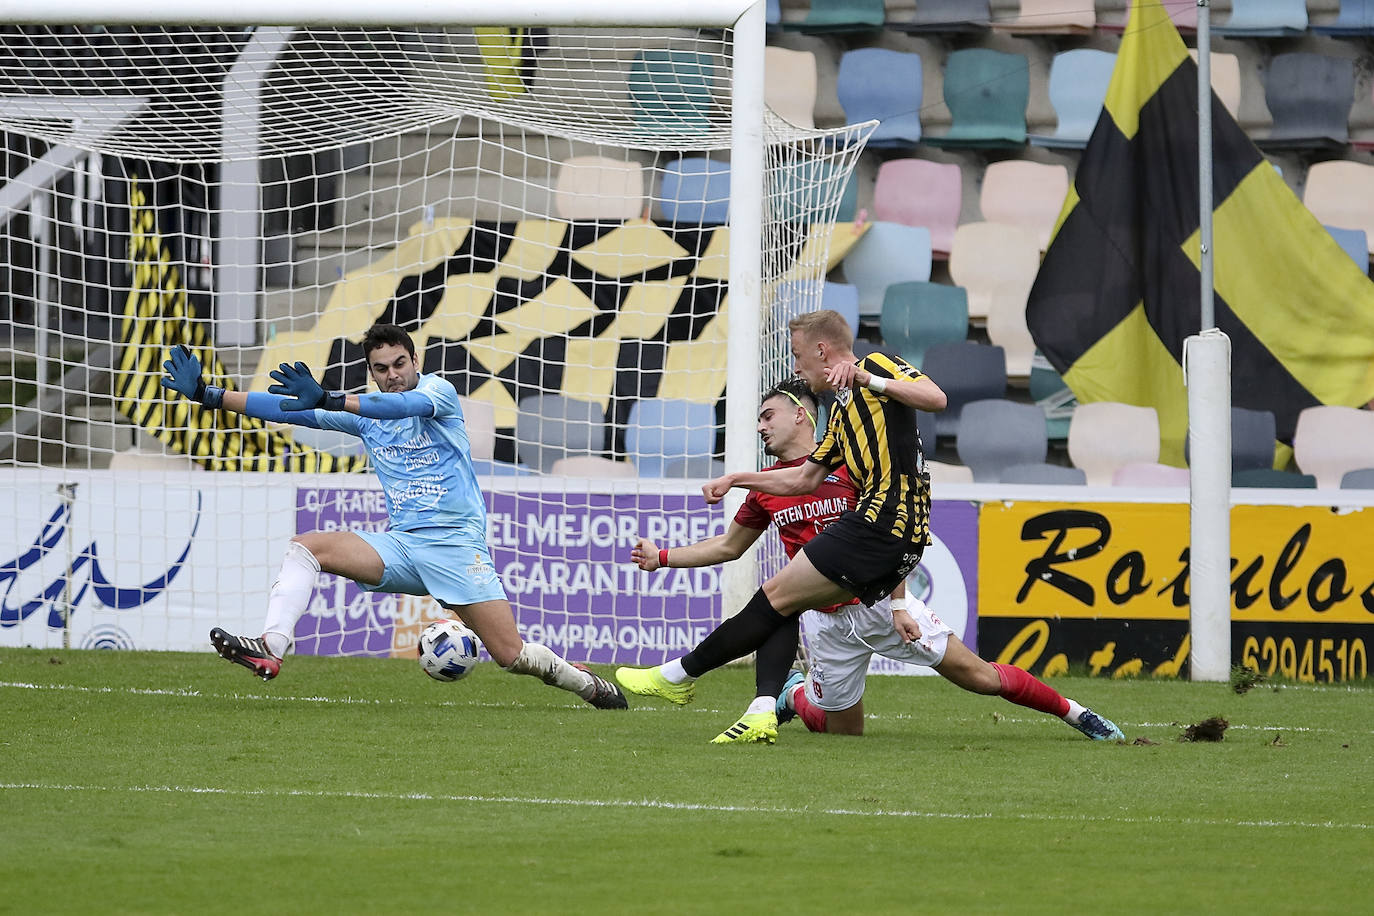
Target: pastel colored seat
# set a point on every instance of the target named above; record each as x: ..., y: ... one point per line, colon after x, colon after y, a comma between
x: 839, y: 16
x: 883, y: 85
x: 1182, y: 12
x: 701, y: 467
x: 1106, y: 435
x: 919, y: 192
x: 918, y: 315
x: 1050, y: 17
x: 1309, y: 97
x: 1356, y: 18
x: 1358, y: 479
x: 789, y: 85
x: 1018, y: 192
x: 479, y: 417
x: 1264, y: 19
x: 996, y: 434
x: 597, y: 187
x: 1354, y: 243
x: 670, y: 91
x: 661, y: 429
x: 993, y: 262
x: 1341, y: 193
x: 550, y: 426
x: 1077, y: 87
x: 1046, y: 474
x: 1330, y: 440
x: 966, y: 371
x: 888, y: 253
x: 1253, y: 439
x: 1271, y: 479
x: 695, y: 190
x: 986, y: 92
x: 945, y: 17
x: 1150, y: 474
x: 593, y: 466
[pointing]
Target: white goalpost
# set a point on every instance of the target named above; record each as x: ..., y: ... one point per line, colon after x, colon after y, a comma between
x: 584, y: 214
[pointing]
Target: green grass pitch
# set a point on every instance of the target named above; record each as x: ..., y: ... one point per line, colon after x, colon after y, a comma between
x: 176, y: 783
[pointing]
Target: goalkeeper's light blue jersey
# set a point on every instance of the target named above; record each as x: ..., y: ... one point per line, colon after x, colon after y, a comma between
x: 425, y: 463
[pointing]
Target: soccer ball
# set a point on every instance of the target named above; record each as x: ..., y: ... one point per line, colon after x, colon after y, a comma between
x: 447, y: 650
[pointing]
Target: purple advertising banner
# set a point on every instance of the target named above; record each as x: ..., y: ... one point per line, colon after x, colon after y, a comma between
x: 564, y: 559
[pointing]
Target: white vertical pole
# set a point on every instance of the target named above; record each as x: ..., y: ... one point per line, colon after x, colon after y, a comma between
x: 239, y: 245
x: 739, y: 580
x: 40, y: 212
x: 1207, y: 373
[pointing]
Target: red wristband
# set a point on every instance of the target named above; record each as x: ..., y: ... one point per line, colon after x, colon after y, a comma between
x: 663, y: 556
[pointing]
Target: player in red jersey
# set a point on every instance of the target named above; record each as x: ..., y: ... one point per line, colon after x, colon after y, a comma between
x: 845, y: 636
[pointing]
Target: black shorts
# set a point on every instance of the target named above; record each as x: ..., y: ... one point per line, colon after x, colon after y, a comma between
x: 862, y: 558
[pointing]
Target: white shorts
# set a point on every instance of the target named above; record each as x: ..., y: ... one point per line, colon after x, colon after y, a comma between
x: 842, y: 644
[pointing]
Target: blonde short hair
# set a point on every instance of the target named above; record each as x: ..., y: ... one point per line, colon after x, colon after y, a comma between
x: 827, y: 325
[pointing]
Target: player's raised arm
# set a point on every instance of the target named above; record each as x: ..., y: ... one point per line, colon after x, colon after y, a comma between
x: 720, y: 549
x: 792, y: 481
x: 920, y: 392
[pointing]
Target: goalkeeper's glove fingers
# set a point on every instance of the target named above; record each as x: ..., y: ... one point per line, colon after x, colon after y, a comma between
x: 183, y: 374
x: 298, y: 386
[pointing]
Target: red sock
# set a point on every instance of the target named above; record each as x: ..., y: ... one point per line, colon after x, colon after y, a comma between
x: 1024, y: 689
x: 810, y: 714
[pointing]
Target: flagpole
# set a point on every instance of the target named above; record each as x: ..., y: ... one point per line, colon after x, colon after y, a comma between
x: 1207, y: 374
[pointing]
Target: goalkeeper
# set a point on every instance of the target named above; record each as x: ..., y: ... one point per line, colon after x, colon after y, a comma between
x: 865, y: 553
x: 416, y: 440
x: 844, y: 637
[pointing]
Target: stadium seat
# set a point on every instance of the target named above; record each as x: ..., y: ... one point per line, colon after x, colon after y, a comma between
x: 966, y: 371
x: 486, y: 467
x: 1340, y: 192
x: 701, y: 467
x: 1046, y: 474
x: 660, y: 429
x: 1356, y: 18
x: 551, y: 426
x: 593, y: 466
x: 1272, y: 479
x: 877, y: 83
x: 917, y: 315
x: 1106, y: 435
x: 695, y: 190
x: 799, y: 192
x: 1150, y: 474
x: 1354, y: 243
x: 1225, y: 78
x: 842, y: 297
x: 1077, y: 87
x: 789, y: 85
x: 919, y: 192
x: 1050, y: 17
x: 1331, y: 440
x: 596, y: 187
x: 1309, y: 97
x: 888, y: 253
x: 945, y: 17
x: 1018, y: 192
x: 995, y: 263
x: 670, y: 90
x: 995, y: 434
x: 1052, y: 396
x: 1264, y: 19
x: 839, y: 16
x: 941, y: 472
x: 986, y: 92
x: 1358, y: 479
x: 772, y: 15
x: 1182, y: 12
x: 1253, y: 438
x: 479, y: 417
x: 330, y: 441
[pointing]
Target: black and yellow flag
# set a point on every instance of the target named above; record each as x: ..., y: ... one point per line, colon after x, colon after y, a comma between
x: 1118, y: 291
x: 158, y: 316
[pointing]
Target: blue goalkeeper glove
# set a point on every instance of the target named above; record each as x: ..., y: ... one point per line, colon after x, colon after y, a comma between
x: 302, y: 392
x: 183, y: 377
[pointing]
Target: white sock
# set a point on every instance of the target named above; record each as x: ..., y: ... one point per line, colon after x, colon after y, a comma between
x: 289, y: 595
x: 762, y: 704
x: 672, y: 672
x: 1075, y: 710
x: 543, y: 663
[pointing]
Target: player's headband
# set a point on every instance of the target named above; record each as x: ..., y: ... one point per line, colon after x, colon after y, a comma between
x: 796, y: 400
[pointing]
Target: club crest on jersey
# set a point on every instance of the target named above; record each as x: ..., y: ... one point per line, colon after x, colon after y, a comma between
x: 843, y: 396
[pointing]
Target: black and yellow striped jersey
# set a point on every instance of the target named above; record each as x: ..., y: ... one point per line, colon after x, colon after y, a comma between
x: 875, y: 437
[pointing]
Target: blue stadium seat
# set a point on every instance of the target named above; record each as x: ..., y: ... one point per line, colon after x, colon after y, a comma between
x: 695, y: 190
x: 1356, y: 18
x: 876, y: 83
x: 888, y: 253
x: 1077, y: 87
x: 659, y: 430
x: 1264, y: 19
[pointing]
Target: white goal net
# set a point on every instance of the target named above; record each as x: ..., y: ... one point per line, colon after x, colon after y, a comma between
x: 547, y: 212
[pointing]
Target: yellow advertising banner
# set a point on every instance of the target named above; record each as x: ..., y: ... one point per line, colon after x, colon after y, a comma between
x: 1290, y: 564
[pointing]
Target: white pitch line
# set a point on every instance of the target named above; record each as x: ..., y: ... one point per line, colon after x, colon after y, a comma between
x: 652, y: 804
x: 192, y: 693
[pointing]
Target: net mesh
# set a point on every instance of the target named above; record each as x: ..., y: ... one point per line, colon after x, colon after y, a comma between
x: 545, y: 211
